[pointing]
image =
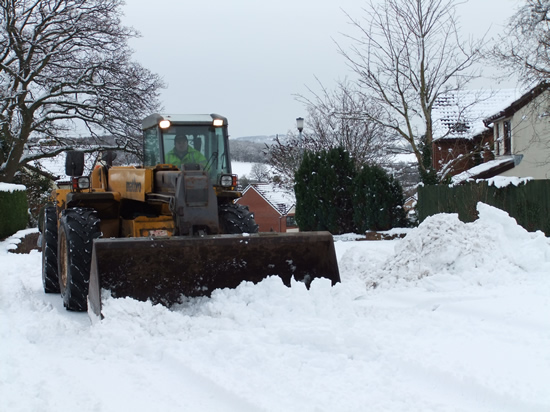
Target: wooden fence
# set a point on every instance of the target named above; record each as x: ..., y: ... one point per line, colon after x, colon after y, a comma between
x: 528, y: 203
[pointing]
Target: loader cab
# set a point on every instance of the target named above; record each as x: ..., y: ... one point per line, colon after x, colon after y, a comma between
x: 206, y: 134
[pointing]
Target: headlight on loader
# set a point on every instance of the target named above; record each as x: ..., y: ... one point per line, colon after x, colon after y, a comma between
x: 165, y: 124
x: 81, y: 183
x: 228, y: 181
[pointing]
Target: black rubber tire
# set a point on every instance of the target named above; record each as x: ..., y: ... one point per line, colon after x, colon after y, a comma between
x: 77, y: 230
x: 50, y: 279
x: 236, y: 219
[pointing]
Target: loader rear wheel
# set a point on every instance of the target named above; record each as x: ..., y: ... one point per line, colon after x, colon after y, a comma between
x: 77, y: 230
x: 50, y: 279
x: 236, y: 219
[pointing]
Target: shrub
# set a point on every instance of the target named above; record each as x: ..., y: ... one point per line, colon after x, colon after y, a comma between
x: 324, y: 191
x: 377, y: 200
x: 38, y: 192
x: 332, y: 195
x: 13, y: 209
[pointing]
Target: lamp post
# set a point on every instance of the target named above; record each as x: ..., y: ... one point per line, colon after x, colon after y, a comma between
x: 300, y: 126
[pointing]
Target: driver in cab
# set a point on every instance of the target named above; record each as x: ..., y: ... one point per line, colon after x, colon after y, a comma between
x: 183, y: 154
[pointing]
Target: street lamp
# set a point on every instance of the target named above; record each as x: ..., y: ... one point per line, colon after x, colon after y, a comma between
x: 300, y: 126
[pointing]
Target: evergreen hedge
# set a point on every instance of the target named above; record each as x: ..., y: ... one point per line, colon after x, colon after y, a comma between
x: 332, y: 194
x: 378, y: 200
x: 13, y: 211
x: 324, y: 191
x: 38, y: 192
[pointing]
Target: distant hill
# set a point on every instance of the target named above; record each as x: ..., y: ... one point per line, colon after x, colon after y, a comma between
x: 243, y: 150
x: 251, y: 148
x: 257, y: 139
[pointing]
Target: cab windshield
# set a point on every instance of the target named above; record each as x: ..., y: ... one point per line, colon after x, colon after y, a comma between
x: 188, y: 144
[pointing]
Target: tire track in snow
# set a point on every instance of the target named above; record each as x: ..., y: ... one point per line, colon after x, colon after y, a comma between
x: 203, y: 387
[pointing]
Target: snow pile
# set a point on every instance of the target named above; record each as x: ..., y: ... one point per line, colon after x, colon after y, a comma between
x: 442, y: 244
x: 11, y: 242
x: 467, y: 175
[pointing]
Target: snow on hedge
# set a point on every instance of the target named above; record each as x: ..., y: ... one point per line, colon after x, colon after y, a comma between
x: 9, y: 187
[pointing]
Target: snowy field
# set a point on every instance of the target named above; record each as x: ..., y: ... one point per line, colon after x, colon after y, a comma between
x: 459, y: 320
x: 242, y: 168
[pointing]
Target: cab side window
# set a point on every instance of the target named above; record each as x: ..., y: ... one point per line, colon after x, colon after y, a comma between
x: 152, y: 149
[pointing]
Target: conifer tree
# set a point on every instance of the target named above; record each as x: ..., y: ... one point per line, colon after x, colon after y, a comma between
x: 324, y: 191
x: 377, y: 200
x: 332, y: 195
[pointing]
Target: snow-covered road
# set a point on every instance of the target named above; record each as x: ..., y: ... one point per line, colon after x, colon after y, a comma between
x: 459, y: 321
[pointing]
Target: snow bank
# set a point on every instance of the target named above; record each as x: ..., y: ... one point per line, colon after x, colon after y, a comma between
x: 476, y: 251
x: 11, y: 242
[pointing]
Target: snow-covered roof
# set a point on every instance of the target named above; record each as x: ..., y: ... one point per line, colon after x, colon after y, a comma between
x: 460, y: 114
x: 484, y: 168
x: 404, y: 158
x: 518, y: 103
x: 281, y: 200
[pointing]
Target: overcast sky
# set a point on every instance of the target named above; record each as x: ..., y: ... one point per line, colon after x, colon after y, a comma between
x: 247, y: 59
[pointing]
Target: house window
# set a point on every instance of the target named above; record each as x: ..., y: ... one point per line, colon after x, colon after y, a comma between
x: 507, y: 134
x: 497, y: 139
x: 291, y: 221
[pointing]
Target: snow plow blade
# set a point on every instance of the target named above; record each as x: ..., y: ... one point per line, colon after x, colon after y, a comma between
x: 162, y: 270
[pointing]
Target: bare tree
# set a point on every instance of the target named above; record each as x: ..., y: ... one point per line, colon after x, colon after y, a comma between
x: 259, y: 173
x: 524, y: 49
x: 66, y: 64
x: 284, y: 157
x: 407, y: 54
x: 335, y: 119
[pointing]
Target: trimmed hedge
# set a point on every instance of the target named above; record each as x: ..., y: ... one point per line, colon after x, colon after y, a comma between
x: 377, y: 200
x: 13, y: 210
x: 333, y: 194
x: 324, y: 191
x: 528, y: 203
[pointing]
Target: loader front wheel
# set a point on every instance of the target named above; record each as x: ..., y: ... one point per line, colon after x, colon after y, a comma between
x: 77, y: 230
x: 236, y: 219
x: 50, y: 279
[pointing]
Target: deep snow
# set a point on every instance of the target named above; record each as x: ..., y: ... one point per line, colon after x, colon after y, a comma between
x: 459, y: 320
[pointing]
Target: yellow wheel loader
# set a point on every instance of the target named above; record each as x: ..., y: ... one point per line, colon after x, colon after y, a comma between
x: 162, y: 231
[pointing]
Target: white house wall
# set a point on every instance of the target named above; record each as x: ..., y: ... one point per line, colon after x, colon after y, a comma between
x: 531, y: 138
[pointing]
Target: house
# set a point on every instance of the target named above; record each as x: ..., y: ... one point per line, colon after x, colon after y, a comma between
x: 273, y: 207
x: 461, y: 139
x: 521, y: 134
x: 514, y: 139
